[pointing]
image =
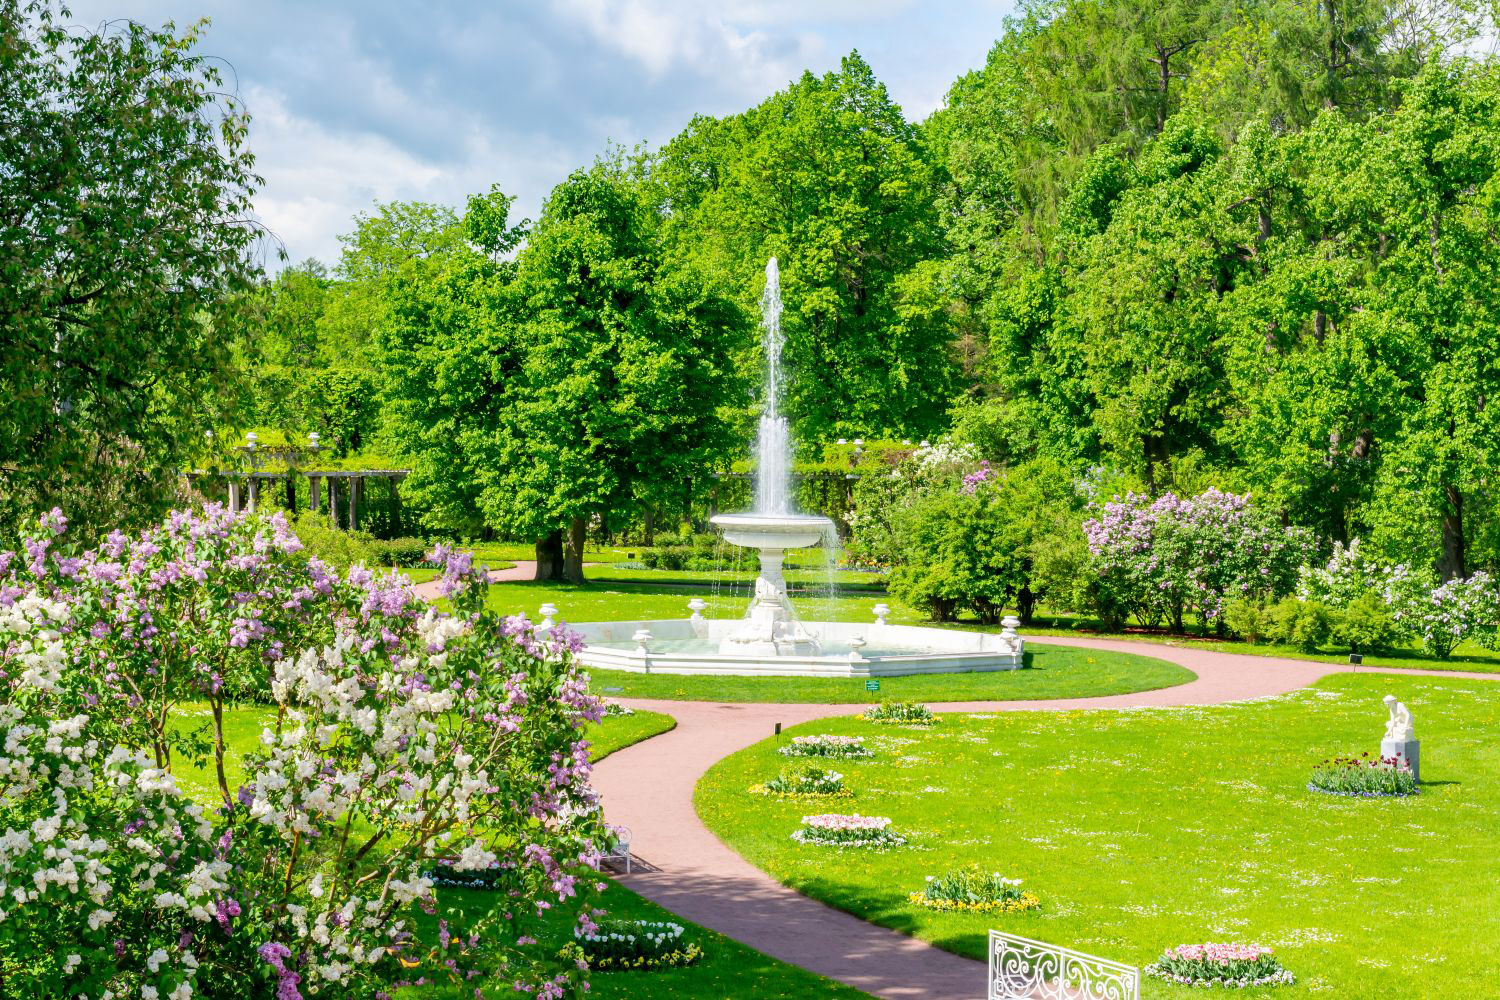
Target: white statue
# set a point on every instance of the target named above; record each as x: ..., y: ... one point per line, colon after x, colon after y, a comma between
x: 1398, y: 729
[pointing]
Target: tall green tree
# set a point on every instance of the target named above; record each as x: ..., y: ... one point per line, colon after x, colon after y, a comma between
x: 451, y: 352
x: 831, y: 179
x: 125, y: 242
x: 627, y: 380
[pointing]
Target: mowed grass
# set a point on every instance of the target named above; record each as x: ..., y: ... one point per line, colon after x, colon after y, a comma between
x: 1147, y: 828
x: 645, y: 599
x: 1050, y: 672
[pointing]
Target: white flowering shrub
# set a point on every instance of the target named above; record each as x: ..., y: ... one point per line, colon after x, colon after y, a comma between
x: 402, y: 739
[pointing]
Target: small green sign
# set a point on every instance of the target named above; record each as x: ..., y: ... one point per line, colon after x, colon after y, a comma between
x: 872, y: 685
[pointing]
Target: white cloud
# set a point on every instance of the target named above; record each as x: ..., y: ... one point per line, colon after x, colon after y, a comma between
x: 317, y: 179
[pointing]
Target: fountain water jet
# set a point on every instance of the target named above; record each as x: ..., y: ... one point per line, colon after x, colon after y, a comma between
x: 771, y: 626
x: 771, y: 638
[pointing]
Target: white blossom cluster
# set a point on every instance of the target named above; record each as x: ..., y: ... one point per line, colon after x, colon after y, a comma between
x: 83, y: 827
x: 362, y: 736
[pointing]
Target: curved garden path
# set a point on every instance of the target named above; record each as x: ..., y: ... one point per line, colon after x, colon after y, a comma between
x: 649, y: 788
x: 524, y: 569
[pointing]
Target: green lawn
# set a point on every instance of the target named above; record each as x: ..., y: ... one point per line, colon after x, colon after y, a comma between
x: 638, y: 599
x: 811, y: 578
x: 1146, y: 828
x: 1051, y: 672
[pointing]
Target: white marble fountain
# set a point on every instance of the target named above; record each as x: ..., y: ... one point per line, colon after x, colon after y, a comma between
x: 771, y: 638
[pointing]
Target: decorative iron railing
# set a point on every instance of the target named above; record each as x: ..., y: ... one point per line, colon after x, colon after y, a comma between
x: 1023, y: 969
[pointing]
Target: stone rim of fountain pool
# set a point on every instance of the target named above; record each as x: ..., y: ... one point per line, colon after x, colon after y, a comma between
x: 771, y: 639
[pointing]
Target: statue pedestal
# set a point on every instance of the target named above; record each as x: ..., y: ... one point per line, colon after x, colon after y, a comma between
x: 1408, y: 750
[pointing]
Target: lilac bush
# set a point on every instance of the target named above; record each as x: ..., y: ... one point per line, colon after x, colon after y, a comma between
x: 402, y: 738
x: 1451, y: 612
x: 1161, y: 559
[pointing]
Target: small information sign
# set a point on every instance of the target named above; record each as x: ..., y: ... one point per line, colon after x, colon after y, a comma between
x: 872, y: 685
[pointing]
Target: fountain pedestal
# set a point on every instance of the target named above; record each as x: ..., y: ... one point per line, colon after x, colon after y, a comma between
x: 771, y: 626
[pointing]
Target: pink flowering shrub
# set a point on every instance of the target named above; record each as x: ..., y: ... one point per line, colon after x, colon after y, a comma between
x: 1163, y: 559
x: 402, y: 737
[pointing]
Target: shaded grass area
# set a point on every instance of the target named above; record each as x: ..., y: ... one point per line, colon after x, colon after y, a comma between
x: 1051, y: 672
x: 1148, y: 828
x: 728, y: 969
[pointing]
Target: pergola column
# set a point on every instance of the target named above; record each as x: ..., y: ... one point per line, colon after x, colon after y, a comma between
x: 395, y: 482
x: 254, y: 493
x: 234, y: 496
x: 314, y: 491
x: 353, y: 487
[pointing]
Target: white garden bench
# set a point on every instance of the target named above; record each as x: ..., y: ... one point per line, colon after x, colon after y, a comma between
x: 619, y: 848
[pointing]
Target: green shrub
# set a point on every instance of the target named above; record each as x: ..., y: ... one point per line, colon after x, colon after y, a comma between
x: 666, y: 557
x: 1304, y: 624
x: 1365, y: 624
x: 1249, y: 619
x: 340, y: 549
x: 401, y: 552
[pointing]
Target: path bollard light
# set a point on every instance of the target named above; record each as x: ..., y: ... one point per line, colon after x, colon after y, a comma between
x: 882, y: 611
x: 547, y: 611
x: 696, y: 606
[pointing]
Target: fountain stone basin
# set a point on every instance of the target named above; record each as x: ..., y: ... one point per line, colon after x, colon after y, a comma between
x: 770, y: 626
x: 772, y: 531
x: 845, y: 649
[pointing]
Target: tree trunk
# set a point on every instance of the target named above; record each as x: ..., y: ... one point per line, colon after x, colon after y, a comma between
x: 573, y: 553
x: 549, y: 557
x: 648, y: 531
x: 1451, y: 564
x: 1025, y: 604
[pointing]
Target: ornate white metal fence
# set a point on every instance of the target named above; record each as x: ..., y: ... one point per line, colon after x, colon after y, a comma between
x: 1023, y: 969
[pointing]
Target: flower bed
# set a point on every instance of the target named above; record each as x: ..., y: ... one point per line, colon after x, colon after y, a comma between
x: 968, y: 890
x: 1364, y: 777
x: 614, y: 708
x: 1229, y: 966
x: 826, y: 745
x: 838, y: 830
x: 804, y: 781
x: 909, y: 712
x: 636, y: 944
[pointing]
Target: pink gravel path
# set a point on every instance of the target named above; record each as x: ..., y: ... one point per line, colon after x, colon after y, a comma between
x: 525, y: 569
x: 649, y: 788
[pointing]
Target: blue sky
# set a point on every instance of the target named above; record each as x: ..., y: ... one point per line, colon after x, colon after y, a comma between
x: 384, y: 99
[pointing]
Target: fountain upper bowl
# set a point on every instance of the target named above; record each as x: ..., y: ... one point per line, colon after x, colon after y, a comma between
x: 772, y: 531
